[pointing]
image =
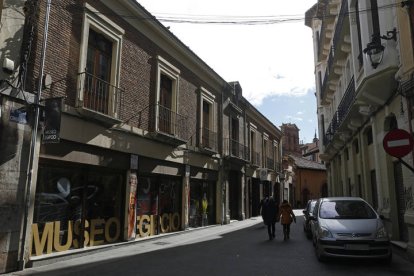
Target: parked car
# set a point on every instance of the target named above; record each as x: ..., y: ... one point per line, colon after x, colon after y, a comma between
x: 349, y: 227
x: 306, y: 221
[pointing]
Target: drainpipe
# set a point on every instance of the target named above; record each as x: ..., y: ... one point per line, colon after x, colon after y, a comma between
x: 24, y: 255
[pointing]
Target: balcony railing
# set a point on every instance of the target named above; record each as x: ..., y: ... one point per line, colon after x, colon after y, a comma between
x: 270, y: 163
x: 170, y: 122
x: 255, y: 158
x: 209, y: 139
x: 278, y: 167
x: 323, y: 27
x: 341, y: 113
x: 100, y: 96
x: 335, y: 45
x: 235, y: 149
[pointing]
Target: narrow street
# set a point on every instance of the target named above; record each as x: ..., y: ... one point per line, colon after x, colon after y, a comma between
x: 241, y: 248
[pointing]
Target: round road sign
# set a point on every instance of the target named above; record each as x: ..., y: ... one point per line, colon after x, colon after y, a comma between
x: 398, y: 143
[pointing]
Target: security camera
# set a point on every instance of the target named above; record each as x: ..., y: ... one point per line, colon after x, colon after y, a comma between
x: 8, y: 66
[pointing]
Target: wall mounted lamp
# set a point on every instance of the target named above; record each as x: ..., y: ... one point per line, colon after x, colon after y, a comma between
x: 375, y: 50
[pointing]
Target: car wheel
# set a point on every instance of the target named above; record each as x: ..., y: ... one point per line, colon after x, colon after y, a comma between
x: 318, y: 252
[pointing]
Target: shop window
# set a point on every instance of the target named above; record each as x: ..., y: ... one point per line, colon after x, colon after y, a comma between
x: 70, y: 201
x: 99, y: 64
x: 158, y: 205
x: 202, y: 203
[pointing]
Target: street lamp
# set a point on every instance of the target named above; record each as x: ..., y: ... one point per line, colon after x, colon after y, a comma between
x: 375, y: 50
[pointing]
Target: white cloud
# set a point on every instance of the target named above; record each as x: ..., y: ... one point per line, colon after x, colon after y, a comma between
x: 267, y: 60
x: 293, y: 118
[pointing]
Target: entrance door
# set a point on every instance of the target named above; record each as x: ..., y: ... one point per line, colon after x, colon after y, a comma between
x: 234, y: 192
x: 255, y: 197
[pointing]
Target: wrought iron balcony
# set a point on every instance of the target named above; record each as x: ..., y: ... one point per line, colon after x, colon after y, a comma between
x: 170, y: 124
x: 270, y: 163
x: 208, y: 139
x: 255, y: 158
x: 335, y: 48
x: 234, y: 148
x: 100, y: 96
x: 341, y: 113
x: 278, y: 167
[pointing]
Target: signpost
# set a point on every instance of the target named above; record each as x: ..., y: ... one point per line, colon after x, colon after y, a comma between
x: 398, y: 143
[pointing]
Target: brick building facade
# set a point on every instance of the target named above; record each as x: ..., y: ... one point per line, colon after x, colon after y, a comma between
x: 137, y: 136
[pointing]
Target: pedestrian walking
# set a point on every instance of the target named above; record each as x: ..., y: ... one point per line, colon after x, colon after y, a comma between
x: 286, y: 216
x: 270, y: 211
x: 261, y: 207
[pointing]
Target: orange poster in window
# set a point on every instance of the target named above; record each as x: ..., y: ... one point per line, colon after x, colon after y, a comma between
x: 132, y: 206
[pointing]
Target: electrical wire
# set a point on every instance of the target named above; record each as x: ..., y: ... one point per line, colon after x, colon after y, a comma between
x: 227, y: 19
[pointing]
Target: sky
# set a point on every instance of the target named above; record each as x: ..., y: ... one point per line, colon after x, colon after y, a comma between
x: 271, y: 57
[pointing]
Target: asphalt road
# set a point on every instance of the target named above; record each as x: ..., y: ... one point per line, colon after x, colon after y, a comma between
x: 241, y: 251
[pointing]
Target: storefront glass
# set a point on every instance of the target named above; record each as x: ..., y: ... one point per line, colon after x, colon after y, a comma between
x: 202, y: 203
x: 76, y: 207
x: 158, y: 205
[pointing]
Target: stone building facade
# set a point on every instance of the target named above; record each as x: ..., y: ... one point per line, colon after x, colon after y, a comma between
x: 363, y: 62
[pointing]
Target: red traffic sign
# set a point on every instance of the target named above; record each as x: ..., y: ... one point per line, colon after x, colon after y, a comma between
x: 398, y: 143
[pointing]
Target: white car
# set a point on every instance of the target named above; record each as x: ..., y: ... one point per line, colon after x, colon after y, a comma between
x: 348, y: 227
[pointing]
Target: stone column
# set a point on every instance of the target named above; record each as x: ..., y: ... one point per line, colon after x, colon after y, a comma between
x: 185, y: 198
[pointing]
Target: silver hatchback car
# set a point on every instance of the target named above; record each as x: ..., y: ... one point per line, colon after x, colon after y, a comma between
x: 349, y: 227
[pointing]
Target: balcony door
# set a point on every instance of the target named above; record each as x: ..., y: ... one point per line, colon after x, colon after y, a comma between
x: 206, y: 125
x: 235, y: 137
x: 166, y: 119
x: 98, y: 72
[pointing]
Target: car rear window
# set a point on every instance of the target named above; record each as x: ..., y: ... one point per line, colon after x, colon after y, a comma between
x: 346, y: 209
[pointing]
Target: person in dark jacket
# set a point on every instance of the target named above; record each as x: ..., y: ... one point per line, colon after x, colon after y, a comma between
x: 270, y: 212
x: 286, y: 216
x: 261, y: 207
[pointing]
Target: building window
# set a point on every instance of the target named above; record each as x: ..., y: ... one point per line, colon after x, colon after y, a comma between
x: 359, y: 186
x: 264, y: 150
x: 358, y: 23
x: 99, y: 64
x: 168, y: 120
x: 374, y: 190
x: 369, y: 137
x: 356, y: 146
x: 375, y: 20
x: 276, y: 156
x: 208, y: 131
x: 234, y: 142
x: 253, y: 150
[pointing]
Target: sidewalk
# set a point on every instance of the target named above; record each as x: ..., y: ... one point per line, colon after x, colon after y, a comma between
x: 76, y: 257
x: 101, y: 253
